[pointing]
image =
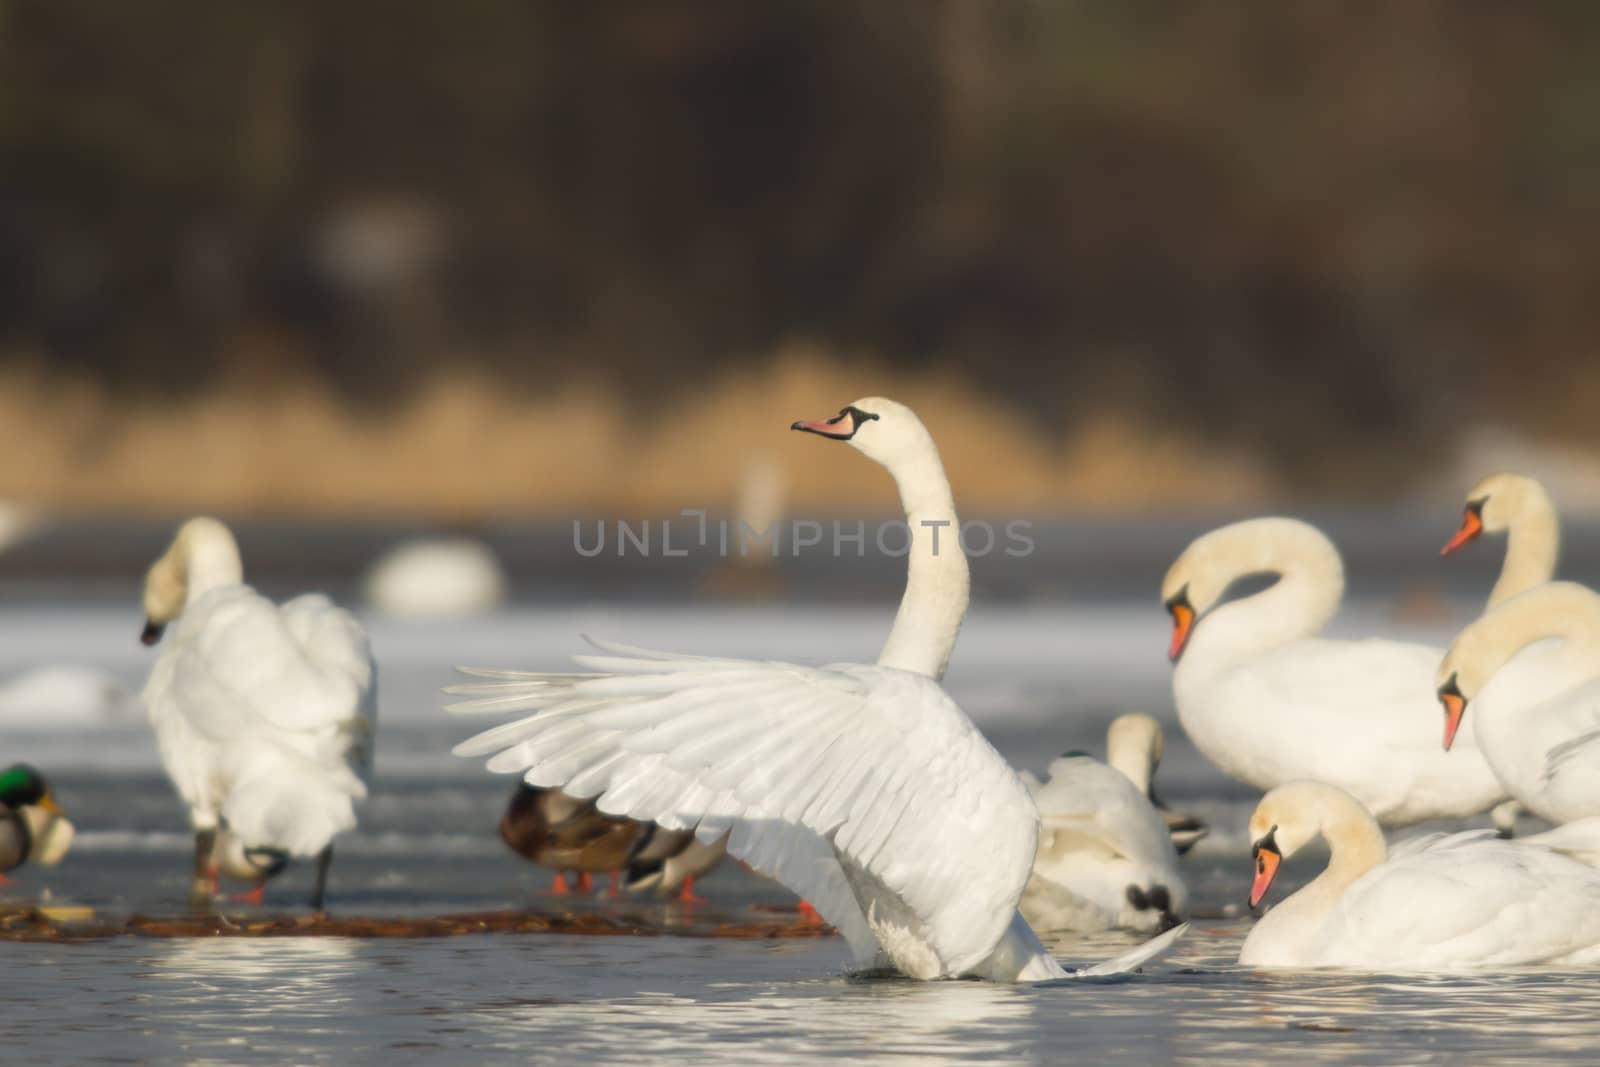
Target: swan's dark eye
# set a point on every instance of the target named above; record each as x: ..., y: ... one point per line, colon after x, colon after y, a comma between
x: 859, y: 415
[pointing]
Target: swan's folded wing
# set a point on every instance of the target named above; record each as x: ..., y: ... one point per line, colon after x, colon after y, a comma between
x: 1098, y: 804
x: 245, y: 664
x: 1577, y: 756
x: 875, y: 764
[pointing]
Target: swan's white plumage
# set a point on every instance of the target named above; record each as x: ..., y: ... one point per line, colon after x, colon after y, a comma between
x: 1456, y: 901
x: 1269, y: 702
x: 1098, y: 836
x: 1528, y: 670
x: 264, y: 715
x: 828, y: 777
x: 1439, y: 902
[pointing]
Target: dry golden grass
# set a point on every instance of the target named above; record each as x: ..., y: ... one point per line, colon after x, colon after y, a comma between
x: 468, y: 447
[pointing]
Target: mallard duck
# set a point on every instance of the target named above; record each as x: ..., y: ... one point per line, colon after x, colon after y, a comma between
x: 568, y: 835
x: 573, y: 836
x: 668, y: 861
x: 32, y: 825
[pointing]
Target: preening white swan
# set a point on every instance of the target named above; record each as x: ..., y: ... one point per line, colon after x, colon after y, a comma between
x: 1519, y: 507
x: 264, y: 714
x: 1105, y: 858
x: 864, y: 789
x: 1537, y: 720
x: 1439, y: 902
x: 1269, y: 702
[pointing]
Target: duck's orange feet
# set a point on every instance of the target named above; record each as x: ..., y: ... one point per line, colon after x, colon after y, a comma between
x: 559, y: 887
x: 809, y: 913
x: 6, y: 881
x: 614, y: 885
x: 585, y: 882
x: 254, y: 896
x: 686, y: 894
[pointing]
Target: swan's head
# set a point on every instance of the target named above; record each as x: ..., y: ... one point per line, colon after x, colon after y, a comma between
x: 236, y: 860
x: 1494, y: 504
x: 202, y: 555
x: 1134, y: 746
x: 881, y: 429
x: 1564, y: 610
x: 1198, y: 579
x: 1287, y: 819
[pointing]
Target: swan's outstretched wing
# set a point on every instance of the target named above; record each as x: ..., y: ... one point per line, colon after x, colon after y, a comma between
x: 814, y: 769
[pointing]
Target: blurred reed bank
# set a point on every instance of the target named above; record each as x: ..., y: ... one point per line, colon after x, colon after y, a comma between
x: 513, y: 257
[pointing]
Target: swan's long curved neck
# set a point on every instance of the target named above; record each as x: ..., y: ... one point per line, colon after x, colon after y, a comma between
x: 1533, y: 545
x: 1299, y: 604
x: 938, y: 583
x: 1355, y: 846
x: 208, y: 557
x: 1557, y: 610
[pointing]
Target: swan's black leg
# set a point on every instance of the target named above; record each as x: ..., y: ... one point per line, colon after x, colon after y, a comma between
x: 203, y: 880
x: 324, y: 859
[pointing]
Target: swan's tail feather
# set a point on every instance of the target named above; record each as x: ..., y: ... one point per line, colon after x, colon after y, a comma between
x: 1136, y: 957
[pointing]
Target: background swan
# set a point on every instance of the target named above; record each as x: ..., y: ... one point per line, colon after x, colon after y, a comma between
x: 1536, y: 721
x: 436, y: 578
x: 863, y: 788
x: 1268, y: 701
x: 264, y: 714
x: 1105, y: 858
x: 1438, y: 902
x: 1519, y: 507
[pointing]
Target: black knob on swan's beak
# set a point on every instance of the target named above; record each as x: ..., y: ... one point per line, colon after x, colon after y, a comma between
x: 151, y: 633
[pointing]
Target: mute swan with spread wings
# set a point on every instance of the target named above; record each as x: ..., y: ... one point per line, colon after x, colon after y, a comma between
x: 863, y: 788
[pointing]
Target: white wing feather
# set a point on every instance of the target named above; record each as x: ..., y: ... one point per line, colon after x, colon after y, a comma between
x: 807, y: 765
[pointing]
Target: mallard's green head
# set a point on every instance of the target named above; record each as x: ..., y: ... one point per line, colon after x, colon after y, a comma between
x: 21, y: 786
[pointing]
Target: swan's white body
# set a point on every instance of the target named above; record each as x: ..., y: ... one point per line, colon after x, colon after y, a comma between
x: 264, y: 714
x: 1536, y: 710
x: 1440, y: 902
x: 863, y: 788
x: 1268, y: 702
x: 437, y: 578
x: 1105, y: 858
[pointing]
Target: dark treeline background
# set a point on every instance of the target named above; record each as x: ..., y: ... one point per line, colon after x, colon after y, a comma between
x: 1280, y: 225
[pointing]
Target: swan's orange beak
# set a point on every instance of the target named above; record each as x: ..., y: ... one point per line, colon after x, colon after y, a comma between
x: 1267, y: 860
x: 1471, y: 527
x: 841, y: 427
x: 1455, y: 707
x: 1182, y: 623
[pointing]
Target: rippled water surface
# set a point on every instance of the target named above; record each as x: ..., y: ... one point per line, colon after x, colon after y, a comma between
x: 1037, y: 681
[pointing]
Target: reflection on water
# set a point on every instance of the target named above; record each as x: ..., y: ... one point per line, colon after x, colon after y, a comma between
x: 509, y: 999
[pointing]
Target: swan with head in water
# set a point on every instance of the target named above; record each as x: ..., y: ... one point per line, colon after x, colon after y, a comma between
x: 1269, y: 701
x: 863, y: 788
x: 263, y: 713
x: 1107, y: 858
x: 1536, y: 721
x: 1517, y: 506
x: 1439, y: 902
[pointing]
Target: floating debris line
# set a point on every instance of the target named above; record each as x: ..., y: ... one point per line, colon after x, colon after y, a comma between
x: 72, y: 924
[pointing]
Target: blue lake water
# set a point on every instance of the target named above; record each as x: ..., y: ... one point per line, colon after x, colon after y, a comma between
x: 1037, y: 679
